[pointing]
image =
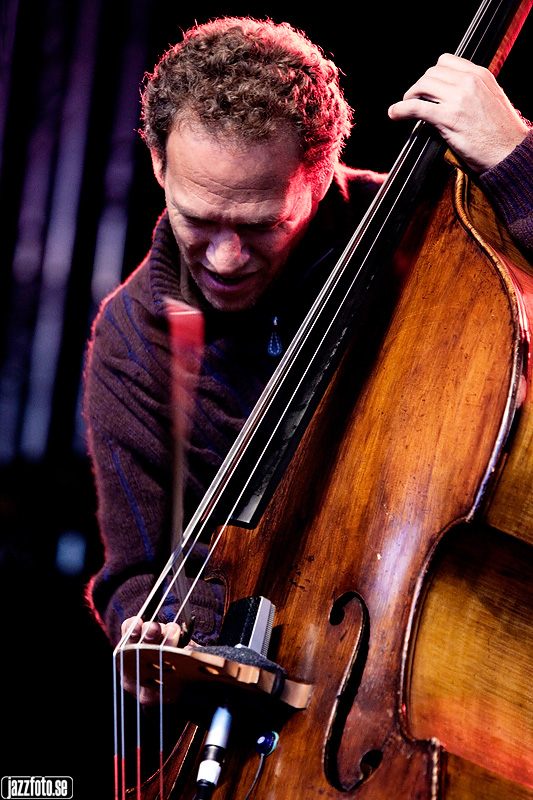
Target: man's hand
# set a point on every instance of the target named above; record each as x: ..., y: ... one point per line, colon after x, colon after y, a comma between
x: 151, y: 633
x: 468, y: 108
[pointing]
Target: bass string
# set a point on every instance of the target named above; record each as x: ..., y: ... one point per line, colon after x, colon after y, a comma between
x: 119, y: 726
x: 200, y: 573
x: 161, y: 646
x: 299, y: 344
x: 161, y: 730
x: 489, y: 15
x: 236, y: 452
x: 474, y: 27
x: 276, y: 383
x: 202, y: 515
x: 119, y: 721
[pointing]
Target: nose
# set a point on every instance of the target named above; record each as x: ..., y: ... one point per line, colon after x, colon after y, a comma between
x: 226, y: 252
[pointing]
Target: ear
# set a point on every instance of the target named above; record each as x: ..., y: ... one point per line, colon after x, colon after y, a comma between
x: 157, y: 164
x: 322, y: 185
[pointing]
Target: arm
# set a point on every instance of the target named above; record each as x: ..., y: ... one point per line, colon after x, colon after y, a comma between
x: 127, y: 409
x: 509, y: 187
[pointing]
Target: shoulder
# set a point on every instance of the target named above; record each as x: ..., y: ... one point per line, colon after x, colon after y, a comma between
x: 129, y: 344
x: 125, y: 313
x: 348, y: 198
x: 138, y: 303
x: 354, y: 183
x: 352, y: 191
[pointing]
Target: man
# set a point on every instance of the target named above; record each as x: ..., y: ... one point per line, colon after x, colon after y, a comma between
x: 245, y: 122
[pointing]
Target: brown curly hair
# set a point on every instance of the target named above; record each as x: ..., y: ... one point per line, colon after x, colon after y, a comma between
x: 247, y: 79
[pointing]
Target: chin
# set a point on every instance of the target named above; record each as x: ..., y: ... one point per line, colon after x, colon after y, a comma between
x: 235, y: 306
x: 228, y: 302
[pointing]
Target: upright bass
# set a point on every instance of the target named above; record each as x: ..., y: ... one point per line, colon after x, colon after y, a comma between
x: 378, y: 498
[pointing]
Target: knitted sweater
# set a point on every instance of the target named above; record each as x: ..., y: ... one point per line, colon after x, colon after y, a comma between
x: 509, y: 187
x: 127, y: 398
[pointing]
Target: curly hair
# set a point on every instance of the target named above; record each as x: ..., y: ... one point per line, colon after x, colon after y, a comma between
x: 249, y: 79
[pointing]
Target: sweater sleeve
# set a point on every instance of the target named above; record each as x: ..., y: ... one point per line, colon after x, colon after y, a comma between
x: 509, y: 186
x: 127, y: 408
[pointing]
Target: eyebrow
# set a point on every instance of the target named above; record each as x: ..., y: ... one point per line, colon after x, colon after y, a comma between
x: 267, y: 221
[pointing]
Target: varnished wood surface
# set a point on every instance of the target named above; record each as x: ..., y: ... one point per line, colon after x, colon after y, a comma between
x: 462, y: 780
x: 471, y: 679
x: 418, y: 643
x: 511, y: 507
x: 381, y: 481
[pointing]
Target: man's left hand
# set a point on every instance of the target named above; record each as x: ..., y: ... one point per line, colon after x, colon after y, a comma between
x: 468, y: 108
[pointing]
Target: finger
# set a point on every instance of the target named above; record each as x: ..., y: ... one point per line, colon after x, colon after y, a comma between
x: 440, y: 85
x: 139, y: 631
x: 151, y: 633
x: 458, y: 64
x: 147, y: 695
x: 421, y: 101
x: 415, y: 109
x: 171, y: 634
x: 132, y: 627
x: 451, y: 74
x: 443, y: 101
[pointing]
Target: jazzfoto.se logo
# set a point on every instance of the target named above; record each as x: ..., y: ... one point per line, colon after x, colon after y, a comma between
x: 36, y: 787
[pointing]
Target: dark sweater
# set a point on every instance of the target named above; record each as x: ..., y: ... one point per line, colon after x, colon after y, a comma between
x: 509, y: 187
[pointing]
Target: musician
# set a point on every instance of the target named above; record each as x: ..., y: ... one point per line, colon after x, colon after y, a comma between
x: 245, y: 122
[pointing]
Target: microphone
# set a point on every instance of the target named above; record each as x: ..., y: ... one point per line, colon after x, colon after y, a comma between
x: 214, y: 752
x: 245, y: 637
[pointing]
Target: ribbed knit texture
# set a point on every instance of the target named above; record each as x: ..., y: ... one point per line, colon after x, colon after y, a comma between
x: 509, y: 187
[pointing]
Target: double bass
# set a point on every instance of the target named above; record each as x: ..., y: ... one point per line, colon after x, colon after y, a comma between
x: 379, y: 498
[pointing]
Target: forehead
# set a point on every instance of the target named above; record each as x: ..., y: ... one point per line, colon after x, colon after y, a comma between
x: 218, y: 175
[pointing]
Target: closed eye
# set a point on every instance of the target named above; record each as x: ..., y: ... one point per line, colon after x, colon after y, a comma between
x: 261, y: 227
x: 197, y: 222
x: 252, y: 227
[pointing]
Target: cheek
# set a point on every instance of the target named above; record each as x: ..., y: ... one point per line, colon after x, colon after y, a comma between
x: 281, y: 248
x: 187, y: 239
x: 273, y: 248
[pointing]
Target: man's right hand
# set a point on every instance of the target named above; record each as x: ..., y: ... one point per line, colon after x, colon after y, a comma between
x: 168, y: 633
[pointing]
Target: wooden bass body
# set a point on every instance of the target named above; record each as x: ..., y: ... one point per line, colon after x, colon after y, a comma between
x: 398, y: 546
